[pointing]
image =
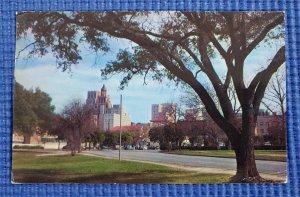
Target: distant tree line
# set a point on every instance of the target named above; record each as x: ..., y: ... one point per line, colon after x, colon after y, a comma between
x: 98, y: 139
x: 200, y: 133
x: 168, y: 136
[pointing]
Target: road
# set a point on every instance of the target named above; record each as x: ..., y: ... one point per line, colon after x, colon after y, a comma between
x: 269, y: 167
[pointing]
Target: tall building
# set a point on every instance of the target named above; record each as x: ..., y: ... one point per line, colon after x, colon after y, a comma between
x: 163, y: 113
x: 106, y: 115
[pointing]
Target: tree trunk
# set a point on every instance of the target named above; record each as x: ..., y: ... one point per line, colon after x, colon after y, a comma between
x: 244, y: 150
x: 169, y: 146
x: 246, y: 166
x: 26, y: 138
x: 229, y: 145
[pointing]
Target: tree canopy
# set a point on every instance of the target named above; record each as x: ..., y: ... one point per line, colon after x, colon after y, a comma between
x: 32, y: 111
x: 183, y: 42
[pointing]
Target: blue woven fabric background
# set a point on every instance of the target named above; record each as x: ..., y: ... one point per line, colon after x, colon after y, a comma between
x: 8, y: 8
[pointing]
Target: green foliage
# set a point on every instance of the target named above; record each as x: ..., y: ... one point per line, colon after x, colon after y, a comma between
x: 33, y: 111
x: 27, y: 147
x: 127, y: 138
x: 167, y: 135
x: 139, y: 62
x: 42, y: 108
x: 99, y: 136
x: 156, y: 134
x: 111, y: 139
x: 96, y: 137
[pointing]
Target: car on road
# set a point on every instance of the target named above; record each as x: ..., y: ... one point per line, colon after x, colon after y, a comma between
x: 104, y: 147
x: 142, y: 147
x: 129, y: 147
x: 153, y: 148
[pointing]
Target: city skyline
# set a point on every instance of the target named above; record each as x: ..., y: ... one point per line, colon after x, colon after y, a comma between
x: 115, y: 94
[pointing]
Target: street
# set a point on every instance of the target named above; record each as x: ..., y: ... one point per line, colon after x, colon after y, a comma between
x: 269, y: 167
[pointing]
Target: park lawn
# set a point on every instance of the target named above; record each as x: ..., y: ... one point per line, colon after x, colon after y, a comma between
x: 27, y: 167
x: 271, y: 155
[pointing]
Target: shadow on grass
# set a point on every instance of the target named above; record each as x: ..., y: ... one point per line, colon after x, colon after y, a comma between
x: 117, y: 177
x: 35, y: 176
x: 46, y: 176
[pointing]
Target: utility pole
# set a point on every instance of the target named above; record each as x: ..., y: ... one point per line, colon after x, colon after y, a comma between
x: 120, y: 140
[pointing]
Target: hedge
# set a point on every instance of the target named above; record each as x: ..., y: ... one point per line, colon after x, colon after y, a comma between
x: 28, y: 147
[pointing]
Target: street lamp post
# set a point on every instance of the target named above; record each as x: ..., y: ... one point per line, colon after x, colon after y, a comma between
x: 120, y: 140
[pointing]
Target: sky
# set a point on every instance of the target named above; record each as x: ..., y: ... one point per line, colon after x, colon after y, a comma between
x: 137, y: 98
x: 64, y: 86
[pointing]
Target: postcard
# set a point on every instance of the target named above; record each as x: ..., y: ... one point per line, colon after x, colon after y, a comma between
x: 165, y: 97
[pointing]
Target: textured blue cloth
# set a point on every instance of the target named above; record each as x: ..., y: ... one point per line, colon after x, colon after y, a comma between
x: 8, y: 9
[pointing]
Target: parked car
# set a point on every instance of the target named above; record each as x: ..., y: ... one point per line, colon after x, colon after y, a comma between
x: 142, y: 147
x: 153, y: 148
x: 104, y: 147
x: 129, y: 147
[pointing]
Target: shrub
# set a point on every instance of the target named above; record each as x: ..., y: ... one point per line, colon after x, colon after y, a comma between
x: 165, y: 146
x: 28, y: 147
x: 270, y: 147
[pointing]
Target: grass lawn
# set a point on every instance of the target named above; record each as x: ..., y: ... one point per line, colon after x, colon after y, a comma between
x: 27, y: 167
x: 271, y: 155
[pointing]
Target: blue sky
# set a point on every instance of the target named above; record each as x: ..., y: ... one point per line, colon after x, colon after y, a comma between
x: 65, y: 86
x: 137, y: 98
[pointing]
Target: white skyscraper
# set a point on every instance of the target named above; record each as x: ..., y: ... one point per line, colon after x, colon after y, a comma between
x: 108, y: 115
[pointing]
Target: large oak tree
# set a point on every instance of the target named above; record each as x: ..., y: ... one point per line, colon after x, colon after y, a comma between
x: 179, y: 46
x: 33, y: 112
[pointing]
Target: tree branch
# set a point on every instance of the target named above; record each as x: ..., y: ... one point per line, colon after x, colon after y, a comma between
x: 262, y: 79
x: 227, y: 80
x: 267, y: 106
x: 264, y: 33
x: 276, y: 62
x: 26, y: 47
x: 194, y: 56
